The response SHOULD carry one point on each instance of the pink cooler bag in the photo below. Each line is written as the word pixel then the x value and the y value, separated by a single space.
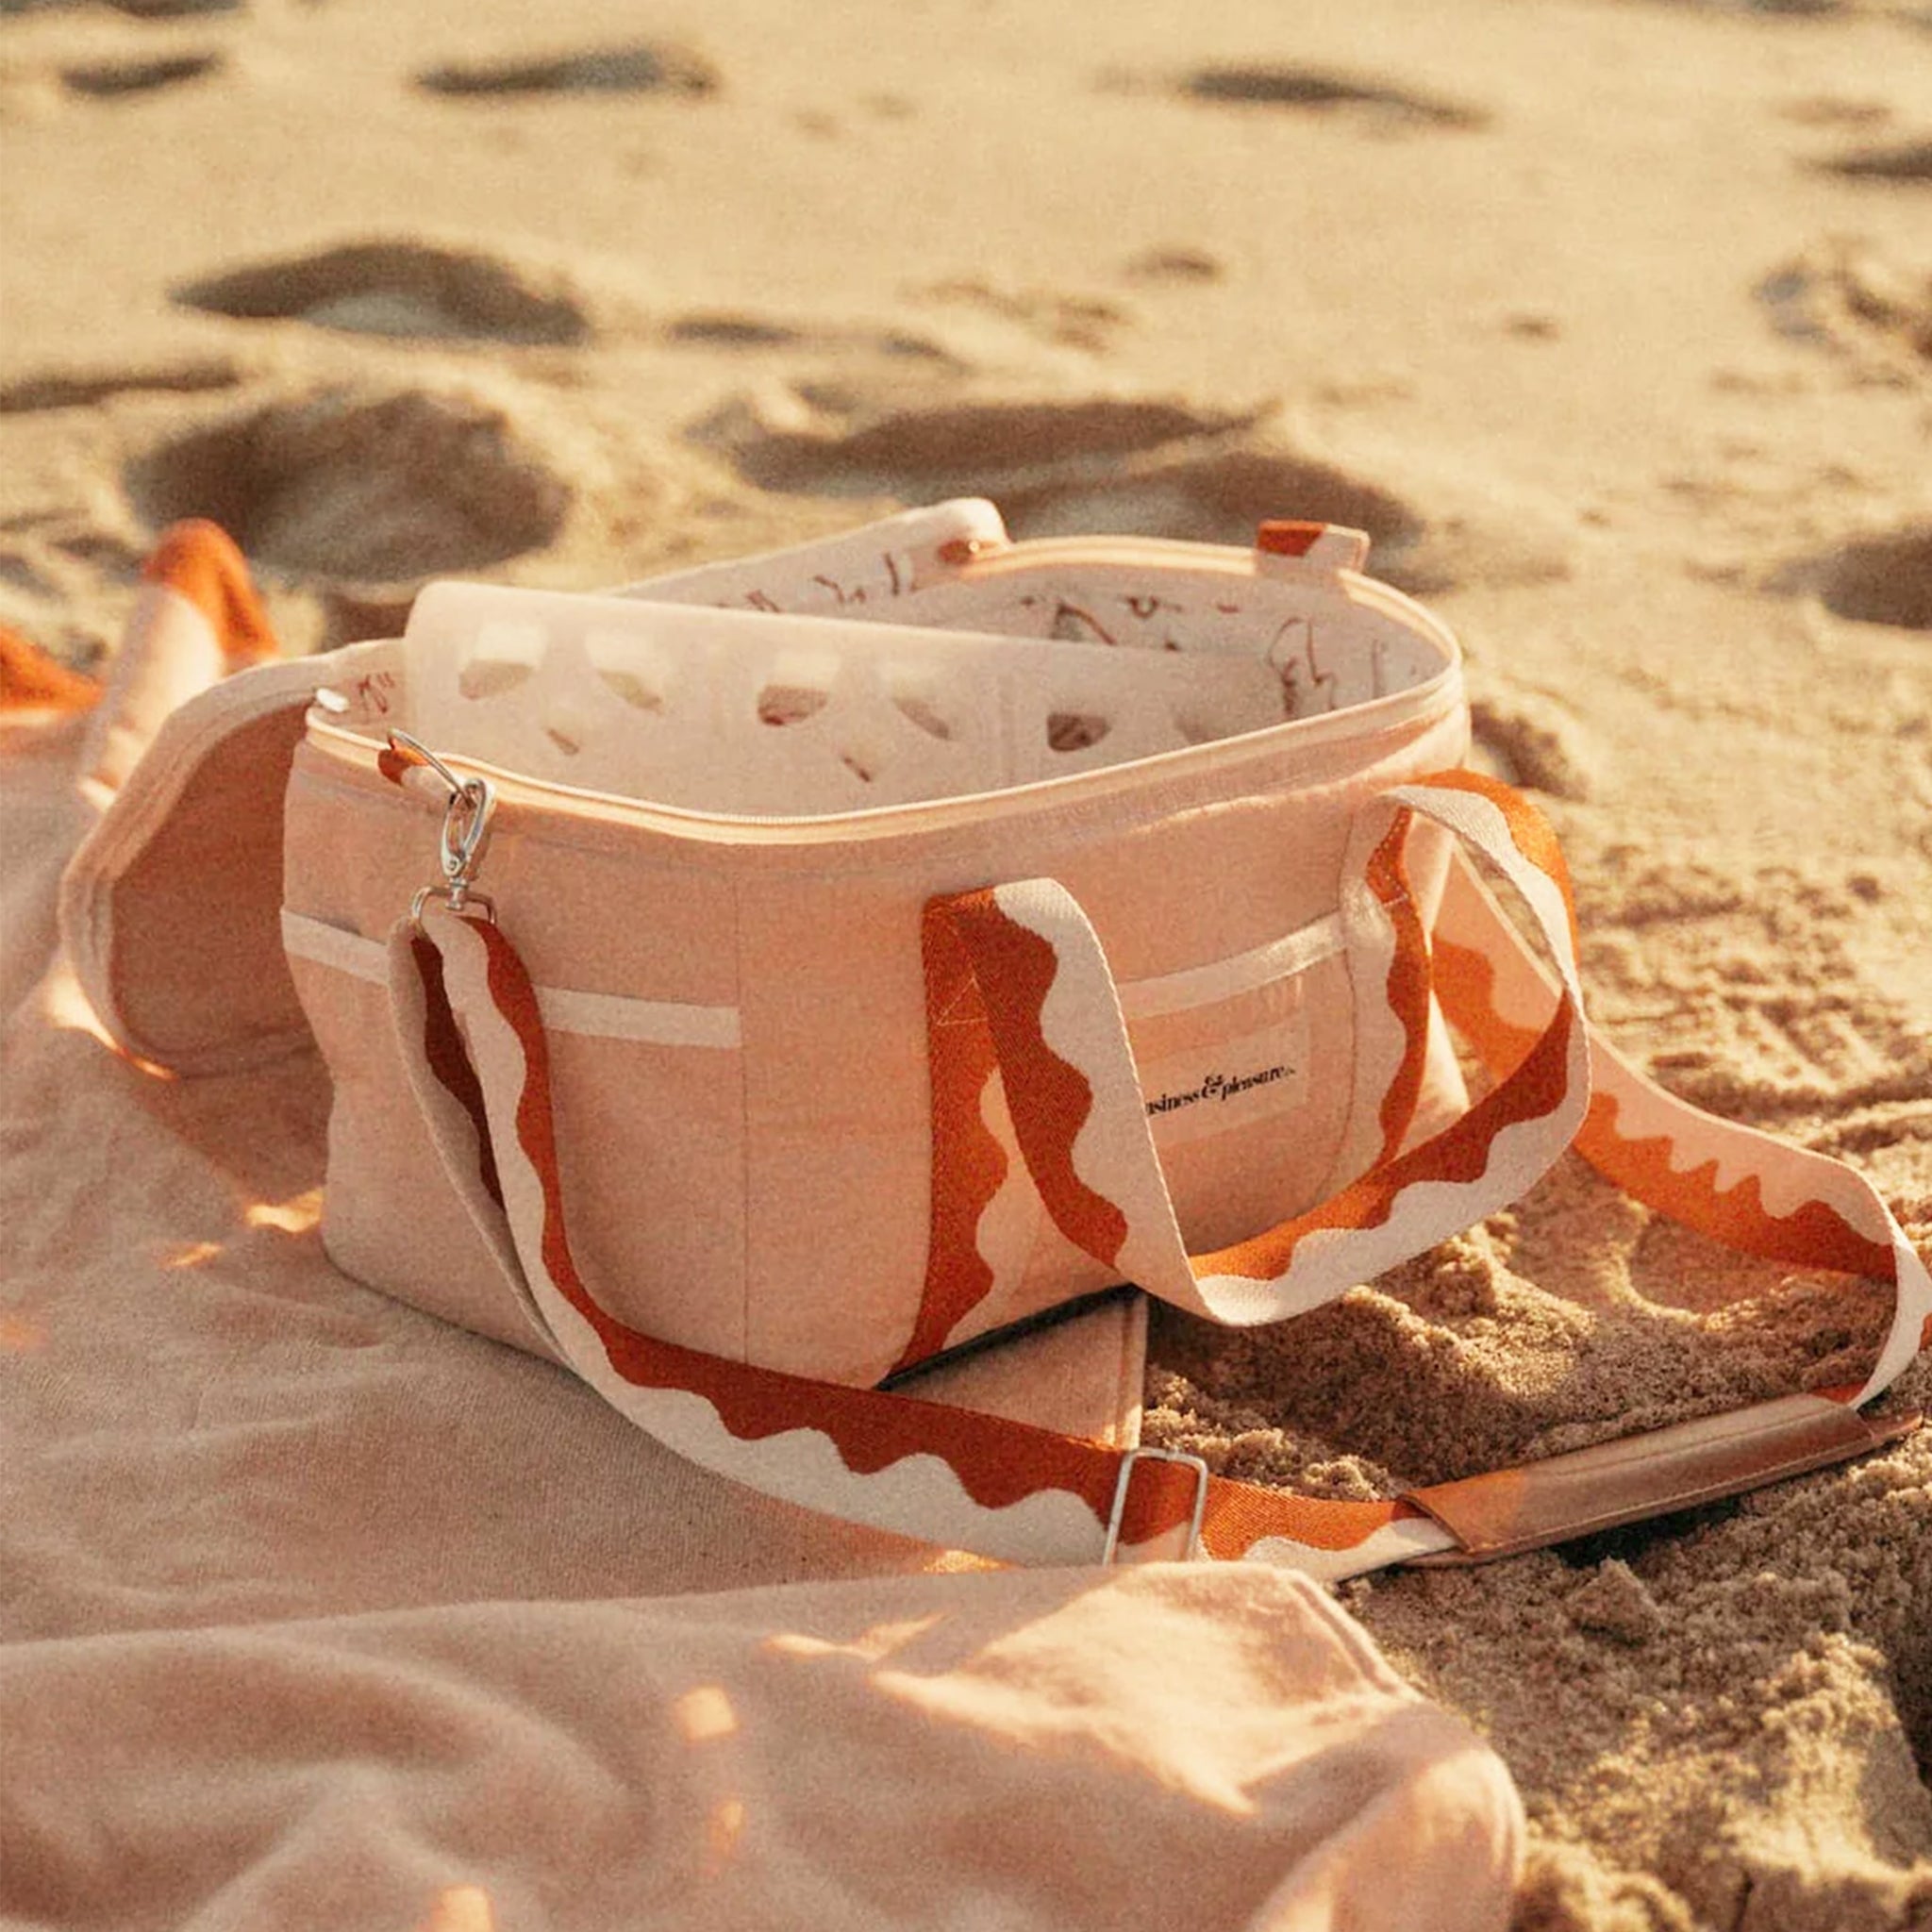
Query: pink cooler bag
pixel 800 996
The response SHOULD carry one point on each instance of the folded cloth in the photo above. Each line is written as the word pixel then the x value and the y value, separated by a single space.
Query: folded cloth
pixel 1218 1747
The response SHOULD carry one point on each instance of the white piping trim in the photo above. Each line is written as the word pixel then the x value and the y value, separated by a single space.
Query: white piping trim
pixel 666 1023
pixel 592 1015
pixel 1222 979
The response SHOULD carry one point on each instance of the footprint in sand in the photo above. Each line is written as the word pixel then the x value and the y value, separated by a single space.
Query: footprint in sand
pixel 1048 315
pixel 644 68
pixel 20 570
pixel 950 442
pixel 1147 467
pixel 1531 739
pixel 379 489
pixel 1836 111
pixel 113 80
pixel 1308 90
pixel 1174 266
pixel 1905 160
pixel 1850 297
pixel 1793 9
pixel 408 289
pixel 75 388
pixel 733 331
pixel 53 567
pixel 742 329
pixel 138 10
pixel 1880 579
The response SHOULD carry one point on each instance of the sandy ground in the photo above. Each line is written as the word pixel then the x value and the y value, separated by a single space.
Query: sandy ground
pixel 1611 322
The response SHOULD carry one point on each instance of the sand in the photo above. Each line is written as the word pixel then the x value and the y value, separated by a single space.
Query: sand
pixel 1611 322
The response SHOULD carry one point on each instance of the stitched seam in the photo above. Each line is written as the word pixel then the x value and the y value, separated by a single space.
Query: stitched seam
pixel 743 1128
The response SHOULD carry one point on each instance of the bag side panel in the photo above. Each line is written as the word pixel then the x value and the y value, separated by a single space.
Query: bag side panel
pixel 649 1131
pixel 836 1120
pixel 390 1217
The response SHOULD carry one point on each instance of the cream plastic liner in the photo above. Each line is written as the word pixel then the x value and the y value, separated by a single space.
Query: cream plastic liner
pixel 1440 696
pixel 1355 723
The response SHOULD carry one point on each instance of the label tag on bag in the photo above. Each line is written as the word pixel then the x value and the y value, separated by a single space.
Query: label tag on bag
pixel 1224 1084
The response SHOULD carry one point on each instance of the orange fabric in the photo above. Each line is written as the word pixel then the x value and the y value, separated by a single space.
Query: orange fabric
pixel 1531 833
pixel 1465 983
pixel 1059 1098
pixel 1287 536
pixel 968 1164
pixel 198 561
pixel 1814 1236
pixel 32 681
pixel 1407 985
pixel 1240 1515
pixel 442 1050
pixel 396 761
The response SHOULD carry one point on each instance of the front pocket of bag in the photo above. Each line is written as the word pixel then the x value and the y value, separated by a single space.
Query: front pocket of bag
pixel 391 1219
pixel 650 1142
pixel 649 1105
pixel 1246 1101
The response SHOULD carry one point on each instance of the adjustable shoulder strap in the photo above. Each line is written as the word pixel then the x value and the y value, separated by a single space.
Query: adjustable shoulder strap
pixel 472 1039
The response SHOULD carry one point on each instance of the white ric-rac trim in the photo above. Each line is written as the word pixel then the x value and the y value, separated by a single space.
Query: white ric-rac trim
pixel 596 1015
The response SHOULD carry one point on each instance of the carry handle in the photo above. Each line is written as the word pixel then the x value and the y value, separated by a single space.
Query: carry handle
pixel 1023 963
pixel 1025 960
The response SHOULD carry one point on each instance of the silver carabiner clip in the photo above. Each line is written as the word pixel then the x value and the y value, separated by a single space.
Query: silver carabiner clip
pixel 465 832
